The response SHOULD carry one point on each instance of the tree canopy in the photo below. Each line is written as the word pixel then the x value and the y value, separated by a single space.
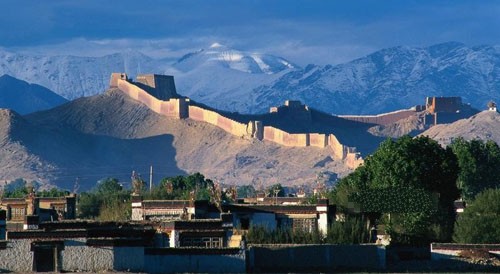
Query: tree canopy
pixel 480 221
pixel 479 164
pixel 413 177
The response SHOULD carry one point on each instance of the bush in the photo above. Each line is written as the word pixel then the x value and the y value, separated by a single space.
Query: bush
pixel 480 222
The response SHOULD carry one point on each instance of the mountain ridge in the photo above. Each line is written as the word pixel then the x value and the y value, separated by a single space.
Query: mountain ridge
pixel 232 80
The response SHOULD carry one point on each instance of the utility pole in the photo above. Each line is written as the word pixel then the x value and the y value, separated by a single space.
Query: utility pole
pixel 150 178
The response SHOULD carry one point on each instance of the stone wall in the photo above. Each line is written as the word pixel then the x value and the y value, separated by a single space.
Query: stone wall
pixel 208 116
pixel 380 119
pixel 194 260
pixel 318 140
pixel 17 257
pixel 76 256
pixel 181 108
pixel 284 138
pixel 314 258
pixel 177 108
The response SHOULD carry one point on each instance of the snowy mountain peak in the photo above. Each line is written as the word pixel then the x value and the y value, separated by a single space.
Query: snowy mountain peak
pixel 216 45
pixel 221 56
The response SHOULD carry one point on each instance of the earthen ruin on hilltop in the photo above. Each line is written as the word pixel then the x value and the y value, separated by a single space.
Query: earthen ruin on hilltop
pixel 159 94
pixel 293 124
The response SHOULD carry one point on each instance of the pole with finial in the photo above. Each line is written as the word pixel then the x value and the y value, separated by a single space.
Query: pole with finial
pixel 150 178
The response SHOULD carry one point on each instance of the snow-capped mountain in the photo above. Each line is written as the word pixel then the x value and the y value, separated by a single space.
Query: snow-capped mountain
pixel 392 79
pixel 224 78
pixel 223 56
pixel 25 98
pixel 234 80
pixel 71 76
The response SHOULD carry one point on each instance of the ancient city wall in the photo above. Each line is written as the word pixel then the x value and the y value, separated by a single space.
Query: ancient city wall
pixel 338 149
pixel 284 138
pixel 318 140
pixel 204 115
pixel 181 108
pixel 172 108
pixel 380 119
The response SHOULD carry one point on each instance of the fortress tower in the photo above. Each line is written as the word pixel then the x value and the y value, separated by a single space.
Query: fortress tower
pixel 160 86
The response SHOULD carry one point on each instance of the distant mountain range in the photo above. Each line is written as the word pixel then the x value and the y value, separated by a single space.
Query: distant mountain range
pixel 246 82
pixel 25 98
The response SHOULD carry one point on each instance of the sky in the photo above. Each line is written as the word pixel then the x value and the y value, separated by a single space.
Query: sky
pixel 303 31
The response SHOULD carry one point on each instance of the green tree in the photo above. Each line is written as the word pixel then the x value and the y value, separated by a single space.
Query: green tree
pixel 480 221
pixel 181 187
pixel 246 191
pixel 413 180
pixel 276 190
pixel 479 164
pixel 108 201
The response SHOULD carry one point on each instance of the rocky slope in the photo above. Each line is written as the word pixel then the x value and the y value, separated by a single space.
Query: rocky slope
pixel 26 98
pixel 484 126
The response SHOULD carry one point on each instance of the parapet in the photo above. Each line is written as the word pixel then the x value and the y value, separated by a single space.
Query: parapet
pixel 113 82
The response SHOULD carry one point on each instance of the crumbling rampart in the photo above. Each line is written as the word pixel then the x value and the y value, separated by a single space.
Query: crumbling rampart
pixel 177 108
pixel 382 119
pixel 182 108
pixel 204 115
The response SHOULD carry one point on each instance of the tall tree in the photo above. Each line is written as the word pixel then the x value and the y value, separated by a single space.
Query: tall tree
pixel 413 177
pixel 479 164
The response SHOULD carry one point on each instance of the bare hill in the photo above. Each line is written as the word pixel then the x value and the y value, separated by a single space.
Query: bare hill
pixel 111 135
pixel 412 125
pixel 484 125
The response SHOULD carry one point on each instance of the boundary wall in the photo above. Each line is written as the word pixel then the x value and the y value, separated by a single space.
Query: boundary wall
pixel 381 119
pixel 181 108
pixel 314 258
pixel 444 251
pixel 177 108
pixel 204 115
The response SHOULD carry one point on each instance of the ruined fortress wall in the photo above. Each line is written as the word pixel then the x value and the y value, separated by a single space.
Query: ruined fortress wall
pixel 339 150
pixel 284 138
pixel 381 119
pixel 214 118
pixel 353 160
pixel 318 140
pixel 172 108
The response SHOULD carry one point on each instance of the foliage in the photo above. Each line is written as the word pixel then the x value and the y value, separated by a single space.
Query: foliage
pixel 19 192
pixel 108 201
pixel 395 200
pixel 479 164
pixel 351 231
pixel 54 192
pixel 246 191
pixel 414 177
pixel 181 188
pixel 480 221
pixel 276 188
pixel 263 235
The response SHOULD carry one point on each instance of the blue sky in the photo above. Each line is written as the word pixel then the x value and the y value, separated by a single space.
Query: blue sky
pixel 303 31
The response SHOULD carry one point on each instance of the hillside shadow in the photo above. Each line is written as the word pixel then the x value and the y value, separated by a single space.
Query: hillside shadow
pixel 91 157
